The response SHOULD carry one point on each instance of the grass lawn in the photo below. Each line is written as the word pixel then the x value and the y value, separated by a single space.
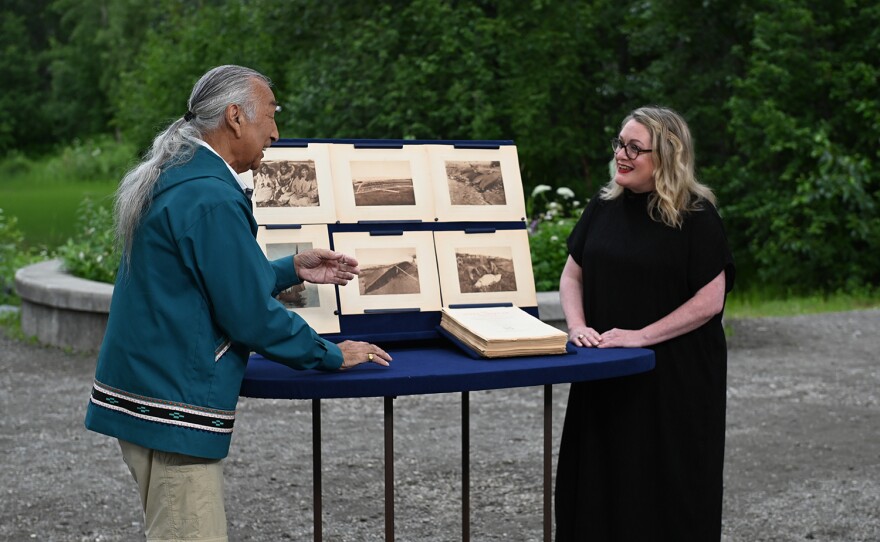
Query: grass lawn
pixel 754 304
pixel 45 192
pixel 47 211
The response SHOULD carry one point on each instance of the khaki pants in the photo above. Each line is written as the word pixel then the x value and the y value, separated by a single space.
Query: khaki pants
pixel 182 495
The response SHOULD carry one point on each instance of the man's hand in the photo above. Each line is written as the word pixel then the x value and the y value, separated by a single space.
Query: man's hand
pixel 322 266
pixel 357 352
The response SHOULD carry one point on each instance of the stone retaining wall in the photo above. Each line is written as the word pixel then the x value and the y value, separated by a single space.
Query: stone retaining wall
pixel 62 310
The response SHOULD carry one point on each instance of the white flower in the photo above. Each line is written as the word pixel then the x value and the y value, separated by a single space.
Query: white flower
pixel 554 205
pixel 565 192
pixel 540 189
pixel 553 238
pixel 576 203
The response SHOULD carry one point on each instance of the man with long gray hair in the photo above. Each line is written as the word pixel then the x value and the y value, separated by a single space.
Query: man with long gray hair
pixel 194 296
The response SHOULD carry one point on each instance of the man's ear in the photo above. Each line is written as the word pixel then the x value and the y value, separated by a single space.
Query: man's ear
pixel 233 118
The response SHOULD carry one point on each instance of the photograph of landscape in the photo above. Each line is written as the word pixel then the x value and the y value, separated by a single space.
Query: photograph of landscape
pixel 382 183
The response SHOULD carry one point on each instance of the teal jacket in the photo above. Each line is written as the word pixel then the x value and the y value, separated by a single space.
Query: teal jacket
pixel 197 298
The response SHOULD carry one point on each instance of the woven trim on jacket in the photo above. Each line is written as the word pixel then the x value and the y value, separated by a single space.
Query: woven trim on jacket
pixel 222 349
pixel 167 412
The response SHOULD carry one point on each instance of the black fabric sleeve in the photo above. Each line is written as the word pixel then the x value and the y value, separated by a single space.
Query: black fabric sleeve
pixel 578 236
pixel 709 251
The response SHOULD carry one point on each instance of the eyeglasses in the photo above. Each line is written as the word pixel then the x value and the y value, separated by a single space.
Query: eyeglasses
pixel 276 110
pixel 632 151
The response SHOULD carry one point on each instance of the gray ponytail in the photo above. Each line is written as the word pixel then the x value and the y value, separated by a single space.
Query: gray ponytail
pixel 220 87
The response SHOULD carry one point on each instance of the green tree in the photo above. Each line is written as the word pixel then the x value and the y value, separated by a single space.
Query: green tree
pixel 560 89
pixel 806 188
pixel 190 38
pixel 24 38
pixel 679 53
pixel 96 41
pixel 393 70
pixel 781 96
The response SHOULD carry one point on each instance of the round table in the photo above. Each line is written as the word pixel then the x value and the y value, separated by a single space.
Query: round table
pixel 437 367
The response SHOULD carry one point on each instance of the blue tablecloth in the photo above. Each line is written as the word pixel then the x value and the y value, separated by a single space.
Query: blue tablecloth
pixel 440 368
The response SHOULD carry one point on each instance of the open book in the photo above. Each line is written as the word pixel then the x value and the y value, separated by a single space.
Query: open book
pixel 495 332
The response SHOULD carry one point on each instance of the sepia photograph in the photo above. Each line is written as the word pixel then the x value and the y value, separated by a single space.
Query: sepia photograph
pixel 388 271
pixel 475 183
pixel 293 185
pixel 382 184
pixel 286 184
pixel 477 268
pixel 397 272
pixel 482 185
pixel 485 269
pixel 315 303
pixel 299 296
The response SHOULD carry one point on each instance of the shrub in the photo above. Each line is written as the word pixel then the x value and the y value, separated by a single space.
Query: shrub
pixel 553 215
pixel 13 257
pixel 92 253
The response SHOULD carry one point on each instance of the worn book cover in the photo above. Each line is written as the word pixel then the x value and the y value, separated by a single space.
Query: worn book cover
pixel 503 331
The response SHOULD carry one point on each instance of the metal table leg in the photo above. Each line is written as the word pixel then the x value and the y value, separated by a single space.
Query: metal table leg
pixel 389 469
pixel 316 470
pixel 465 466
pixel 548 461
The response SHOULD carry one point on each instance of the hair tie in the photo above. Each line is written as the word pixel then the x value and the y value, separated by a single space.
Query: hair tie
pixel 189 116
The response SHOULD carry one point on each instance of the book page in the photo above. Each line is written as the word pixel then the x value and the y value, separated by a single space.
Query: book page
pixel 502 323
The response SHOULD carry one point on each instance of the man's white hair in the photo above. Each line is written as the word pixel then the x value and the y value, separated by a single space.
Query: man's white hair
pixel 214 91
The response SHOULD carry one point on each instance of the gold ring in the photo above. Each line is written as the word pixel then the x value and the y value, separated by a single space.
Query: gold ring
pixel 370 356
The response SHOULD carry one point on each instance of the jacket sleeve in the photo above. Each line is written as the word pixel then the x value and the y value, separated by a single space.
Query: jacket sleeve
pixel 239 284
pixel 285 274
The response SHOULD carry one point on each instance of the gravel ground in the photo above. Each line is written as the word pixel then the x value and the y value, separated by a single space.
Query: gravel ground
pixel 803 451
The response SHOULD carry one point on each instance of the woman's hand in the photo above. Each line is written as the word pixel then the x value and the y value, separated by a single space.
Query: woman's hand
pixel 693 313
pixel 584 336
pixel 322 266
pixel 357 352
pixel 621 338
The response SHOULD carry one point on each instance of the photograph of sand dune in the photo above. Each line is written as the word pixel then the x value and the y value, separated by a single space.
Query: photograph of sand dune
pixel 397 272
pixel 388 271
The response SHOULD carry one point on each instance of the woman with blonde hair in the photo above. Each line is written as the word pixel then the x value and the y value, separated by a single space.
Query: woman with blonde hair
pixel 641 457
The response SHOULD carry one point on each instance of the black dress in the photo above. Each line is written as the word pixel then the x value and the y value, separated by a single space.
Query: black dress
pixel 641 457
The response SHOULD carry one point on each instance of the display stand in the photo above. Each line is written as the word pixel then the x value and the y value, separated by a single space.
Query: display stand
pixel 448 217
